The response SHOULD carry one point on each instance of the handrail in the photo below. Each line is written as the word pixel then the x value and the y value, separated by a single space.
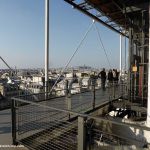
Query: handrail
pixel 84 115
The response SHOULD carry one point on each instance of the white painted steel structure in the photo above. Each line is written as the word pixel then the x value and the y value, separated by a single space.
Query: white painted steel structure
pixel 46 43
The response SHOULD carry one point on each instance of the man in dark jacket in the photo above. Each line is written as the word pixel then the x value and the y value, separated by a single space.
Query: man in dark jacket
pixel 110 77
pixel 102 75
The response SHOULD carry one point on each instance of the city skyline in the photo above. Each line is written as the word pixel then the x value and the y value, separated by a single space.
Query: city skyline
pixel 22 36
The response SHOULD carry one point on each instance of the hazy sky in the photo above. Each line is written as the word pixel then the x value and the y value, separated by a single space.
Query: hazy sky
pixel 22 36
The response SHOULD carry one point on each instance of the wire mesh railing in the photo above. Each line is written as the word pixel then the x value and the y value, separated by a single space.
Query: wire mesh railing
pixel 35 91
pixel 82 101
pixel 49 121
pixel 39 126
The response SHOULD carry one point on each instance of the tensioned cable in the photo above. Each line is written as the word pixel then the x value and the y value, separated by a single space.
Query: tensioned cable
pixel 76 50
pixel 7 65
pixel 100 39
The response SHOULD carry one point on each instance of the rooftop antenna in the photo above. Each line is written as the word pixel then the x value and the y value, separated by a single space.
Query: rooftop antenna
pixel 46 43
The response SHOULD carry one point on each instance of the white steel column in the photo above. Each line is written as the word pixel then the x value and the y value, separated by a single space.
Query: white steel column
pixel 148 102
pixel 125 55
pixel 120 54
pixel 46 43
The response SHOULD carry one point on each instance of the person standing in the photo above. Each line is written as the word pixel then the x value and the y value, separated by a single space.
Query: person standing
pixel 110 78
pixel 102 75
pixel 110 82
pixel 114 76
pixel 117 76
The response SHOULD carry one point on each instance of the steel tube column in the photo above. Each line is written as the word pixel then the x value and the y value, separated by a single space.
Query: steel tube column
pixel 81 133
pixel 148 101
pixel 120 55
pixel 130 54
pixel 125 55
pixel 14 123
pixel 46 43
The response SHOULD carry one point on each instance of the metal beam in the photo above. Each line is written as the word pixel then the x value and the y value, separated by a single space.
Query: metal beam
pixel 115 20
pixel 117 5
pixel 122 10
pixel 138 3
pixel 104 4
pixel 113 13
pixel 93 17
pixel 131 9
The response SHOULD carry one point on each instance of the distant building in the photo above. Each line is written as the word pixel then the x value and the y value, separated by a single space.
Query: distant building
pixel 38 79
pixel 69 75
pixel 24 76
pixel 34 88
pixel 86 82
pixel 5 75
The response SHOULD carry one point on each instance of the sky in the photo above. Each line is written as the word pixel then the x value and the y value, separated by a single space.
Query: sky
pixel 22 36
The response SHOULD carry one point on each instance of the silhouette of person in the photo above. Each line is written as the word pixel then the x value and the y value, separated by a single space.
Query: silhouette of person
pixel 102 75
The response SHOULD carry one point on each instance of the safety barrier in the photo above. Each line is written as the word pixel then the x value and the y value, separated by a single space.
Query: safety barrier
pixel 39 126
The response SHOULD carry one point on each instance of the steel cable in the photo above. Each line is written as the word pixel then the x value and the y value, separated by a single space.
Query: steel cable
pixel 76 50
pixel 100 39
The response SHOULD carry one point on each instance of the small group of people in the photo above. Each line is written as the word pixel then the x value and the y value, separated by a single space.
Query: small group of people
pixel 112 77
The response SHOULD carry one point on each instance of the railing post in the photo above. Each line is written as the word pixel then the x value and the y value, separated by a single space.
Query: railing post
pixel 80 84
pixel 14 130
pixel 119 93
pixel 46 89
pixel 66 88
pixel 68 97
pixel 93 82
pixel 81 133
pixel 94 95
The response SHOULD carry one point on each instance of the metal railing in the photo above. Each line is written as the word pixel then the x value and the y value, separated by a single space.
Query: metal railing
pixel 86 99
pixel 42 127
pixel 38 126
pixel 49 121
pixel 31 92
